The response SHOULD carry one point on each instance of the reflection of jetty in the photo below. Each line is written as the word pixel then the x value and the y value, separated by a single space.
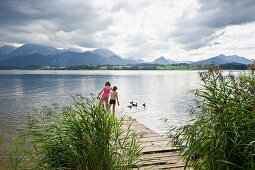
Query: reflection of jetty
pixel 157 152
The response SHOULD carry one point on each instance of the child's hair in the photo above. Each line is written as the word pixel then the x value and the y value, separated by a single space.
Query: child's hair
pixel 114 88
pixel 107 83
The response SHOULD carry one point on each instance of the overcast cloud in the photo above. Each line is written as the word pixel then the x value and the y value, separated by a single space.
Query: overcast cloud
pixel 212 16
pixel 176 29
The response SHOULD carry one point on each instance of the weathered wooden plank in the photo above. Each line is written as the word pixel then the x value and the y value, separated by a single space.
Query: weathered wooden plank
pixel 158 152
pixel 134 123
pixel 170 163
pixel 148 135
pixel 157 149
pixel 157 143
pixel 162 167
pixel 158 155
pixel 174 162
pixel 152 139
pixel 141 130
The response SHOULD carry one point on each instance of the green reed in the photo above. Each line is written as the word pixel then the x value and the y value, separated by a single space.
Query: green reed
pixel 82 136
pixel 15 157
pixel 1 156
pixel 222 134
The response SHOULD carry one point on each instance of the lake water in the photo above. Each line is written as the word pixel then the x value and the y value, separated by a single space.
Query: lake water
pixel 166 94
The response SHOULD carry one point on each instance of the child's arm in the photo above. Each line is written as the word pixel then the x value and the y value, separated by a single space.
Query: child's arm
pixel 117 98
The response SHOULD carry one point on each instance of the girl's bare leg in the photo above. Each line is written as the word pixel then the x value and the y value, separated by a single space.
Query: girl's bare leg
pixel 113 109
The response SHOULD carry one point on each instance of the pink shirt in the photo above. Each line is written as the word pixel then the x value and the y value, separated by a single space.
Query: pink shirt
pixel 106 93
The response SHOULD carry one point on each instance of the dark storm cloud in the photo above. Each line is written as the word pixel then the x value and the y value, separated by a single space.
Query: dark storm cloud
pixel 18 18
pixel 212 17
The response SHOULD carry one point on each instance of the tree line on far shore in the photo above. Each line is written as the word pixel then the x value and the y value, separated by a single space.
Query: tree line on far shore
pixel 181 66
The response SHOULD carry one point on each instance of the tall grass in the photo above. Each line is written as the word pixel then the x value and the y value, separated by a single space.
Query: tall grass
pixel 222 134
pixel 83 136
pixel 12 159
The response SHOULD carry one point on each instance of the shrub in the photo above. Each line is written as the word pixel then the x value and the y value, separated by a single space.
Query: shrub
pixel 83 136
pixel 222 134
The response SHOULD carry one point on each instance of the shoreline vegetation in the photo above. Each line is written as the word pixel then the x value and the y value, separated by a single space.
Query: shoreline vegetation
pixel 222 134
pixel 80 136
pixel 181 66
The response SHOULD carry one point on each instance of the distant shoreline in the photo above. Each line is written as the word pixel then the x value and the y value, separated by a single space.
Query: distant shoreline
pixel 130 67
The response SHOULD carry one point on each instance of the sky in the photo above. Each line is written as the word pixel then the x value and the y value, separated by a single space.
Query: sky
pixel 142 29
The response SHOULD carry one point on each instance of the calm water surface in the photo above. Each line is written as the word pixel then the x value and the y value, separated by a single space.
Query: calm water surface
pixel 164 92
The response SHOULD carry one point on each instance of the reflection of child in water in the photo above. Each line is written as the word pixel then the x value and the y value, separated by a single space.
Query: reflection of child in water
pixel 107 89
pixel 113 98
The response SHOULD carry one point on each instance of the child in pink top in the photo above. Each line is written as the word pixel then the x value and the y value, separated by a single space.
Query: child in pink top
pixel 107 89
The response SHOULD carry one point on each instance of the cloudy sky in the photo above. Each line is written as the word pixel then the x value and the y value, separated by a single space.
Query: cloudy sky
pixel 147 29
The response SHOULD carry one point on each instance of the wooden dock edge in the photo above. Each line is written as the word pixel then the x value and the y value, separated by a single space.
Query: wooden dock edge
pixel 158 152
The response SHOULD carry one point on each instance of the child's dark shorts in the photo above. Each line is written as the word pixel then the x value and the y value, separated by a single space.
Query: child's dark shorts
pixel 112 101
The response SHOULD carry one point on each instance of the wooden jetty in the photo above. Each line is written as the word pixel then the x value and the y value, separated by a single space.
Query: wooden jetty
pixel 157 152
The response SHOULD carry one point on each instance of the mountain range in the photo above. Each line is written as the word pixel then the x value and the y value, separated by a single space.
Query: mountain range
pixel 163 61
pixel 222 59
pixel 40 55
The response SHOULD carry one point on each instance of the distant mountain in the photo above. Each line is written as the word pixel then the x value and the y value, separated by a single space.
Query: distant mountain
pixel 5 50
pixel 104 52
pixel 161 60
pixel 112 58
pixel 70 49
pixel 68 58
pixel 116 60
pixel 140 61
pixel 29 49
pixel 71 58
pixel 136 60
pixel 172 61
pixel 21 61
pixel 222 59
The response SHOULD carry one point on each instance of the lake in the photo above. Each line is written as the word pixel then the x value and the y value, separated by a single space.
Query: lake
pixel 165 93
